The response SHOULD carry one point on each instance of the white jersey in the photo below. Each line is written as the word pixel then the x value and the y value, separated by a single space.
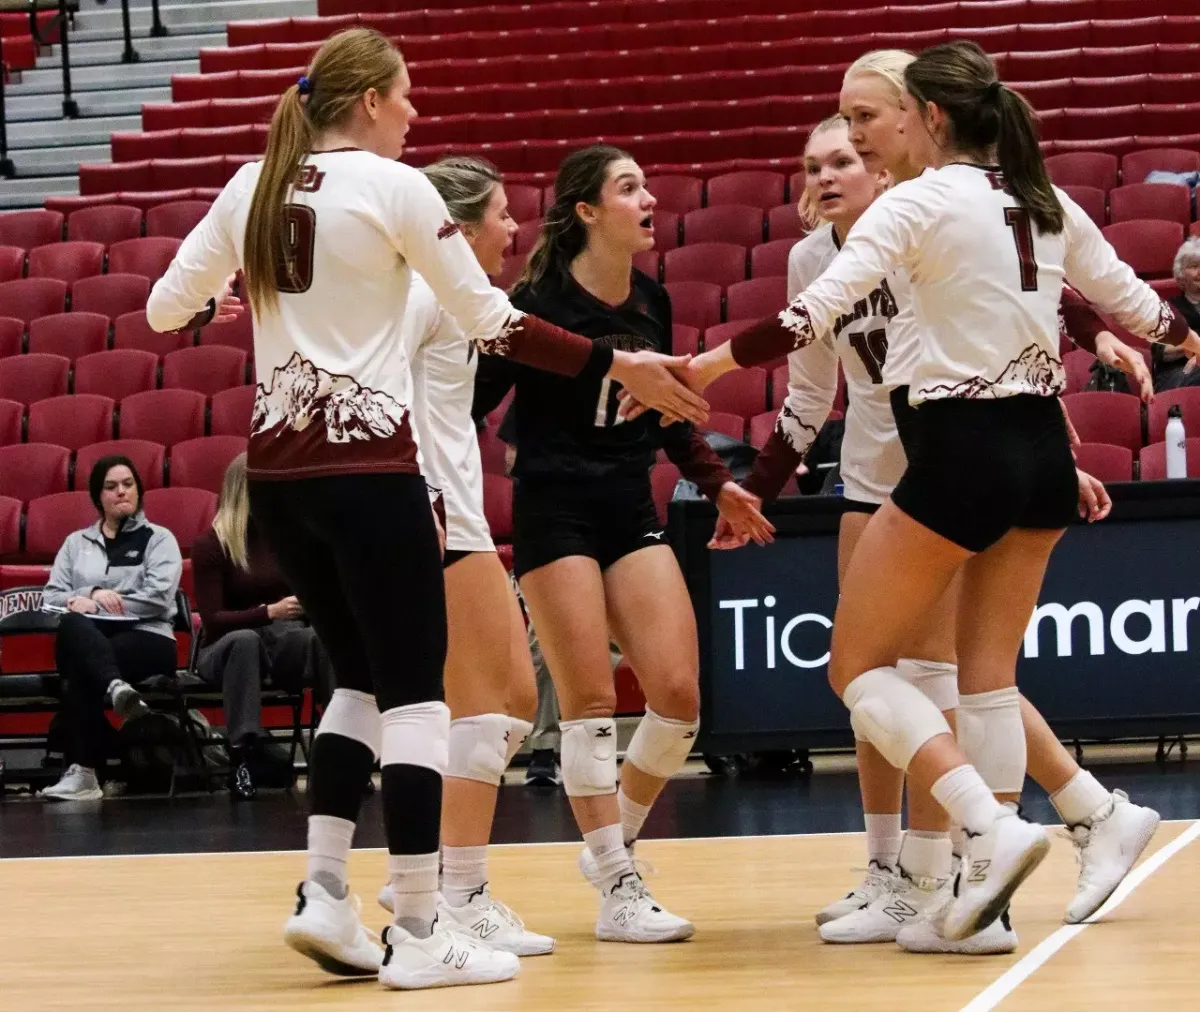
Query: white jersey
pixel 334 387
pixel 872 458
pixel 443 377
pixel 986 285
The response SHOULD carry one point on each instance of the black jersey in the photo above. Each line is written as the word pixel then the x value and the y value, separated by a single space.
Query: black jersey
pixel 569 428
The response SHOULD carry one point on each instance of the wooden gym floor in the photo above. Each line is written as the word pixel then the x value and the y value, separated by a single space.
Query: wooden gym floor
pixel 202 932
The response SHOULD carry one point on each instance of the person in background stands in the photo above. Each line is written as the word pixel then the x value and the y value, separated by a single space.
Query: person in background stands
pixel 253 628
pixel 1169 362
pixel 116 581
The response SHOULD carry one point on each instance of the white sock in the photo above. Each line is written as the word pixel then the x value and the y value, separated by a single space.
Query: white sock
pixel 1078 800
pixel 414 880
pixel 966 797
pixel 926 854
pixel 884 838
pixel 329 840
pixel 633 816
pixel 607 845
pixel 464 873
pixel 958 841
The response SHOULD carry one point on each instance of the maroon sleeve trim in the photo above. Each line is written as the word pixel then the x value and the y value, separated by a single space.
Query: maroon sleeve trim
pixel 698 462
pixel 775 464
pixel 532 341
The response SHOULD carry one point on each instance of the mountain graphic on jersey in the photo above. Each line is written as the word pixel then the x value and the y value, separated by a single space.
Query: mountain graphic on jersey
pixel 300 394
pixel 798 434
pixel 1034 371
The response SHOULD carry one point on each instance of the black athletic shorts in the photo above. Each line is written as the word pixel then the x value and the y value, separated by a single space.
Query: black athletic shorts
pixel 981 467
pixel 604 521
pixel 906 419
pixel 858 506
pixel 453 555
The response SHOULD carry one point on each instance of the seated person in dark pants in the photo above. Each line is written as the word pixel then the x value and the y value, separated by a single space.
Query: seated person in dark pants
pixel 116 582
pixel 253 629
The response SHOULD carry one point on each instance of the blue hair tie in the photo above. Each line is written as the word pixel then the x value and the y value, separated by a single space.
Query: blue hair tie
pixel 304 86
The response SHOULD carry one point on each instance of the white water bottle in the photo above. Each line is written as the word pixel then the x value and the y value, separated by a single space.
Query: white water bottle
pixel 1176 443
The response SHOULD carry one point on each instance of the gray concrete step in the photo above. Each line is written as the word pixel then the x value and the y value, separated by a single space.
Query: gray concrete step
pixel 109 51
pixel 16 193
pixel 58 161
pixel 92 25
pixel 68 132
pixel 101 78
pixel 116 102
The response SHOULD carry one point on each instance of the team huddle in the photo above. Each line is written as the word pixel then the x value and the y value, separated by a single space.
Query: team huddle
pixel 939 271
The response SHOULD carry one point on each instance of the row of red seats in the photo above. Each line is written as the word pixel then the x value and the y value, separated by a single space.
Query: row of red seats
pixel 631 13
pixel 1116 463
pixel 45 467
pixel 18 47
pixel 29 230
pixel 161 174
pixel 110 295
pixel 563 43
pixel 207 369
pixel 77 334
pixel 161 417
pixel 71 261
pixel 32 534
pixel 1101 416
pixel 1145 201
pixel 142 201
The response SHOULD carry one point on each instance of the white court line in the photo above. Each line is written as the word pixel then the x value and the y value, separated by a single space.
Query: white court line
pixel 1039 954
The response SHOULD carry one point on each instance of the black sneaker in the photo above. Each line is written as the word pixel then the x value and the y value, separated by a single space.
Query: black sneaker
pixel 543 768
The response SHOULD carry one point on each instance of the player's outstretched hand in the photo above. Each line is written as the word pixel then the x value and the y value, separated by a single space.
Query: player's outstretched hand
pixel 1191 348
pixel 1094 501
pixel 229 306
pixel 651 381
pixel 741 512
pixel 1116 354
pixel 723 537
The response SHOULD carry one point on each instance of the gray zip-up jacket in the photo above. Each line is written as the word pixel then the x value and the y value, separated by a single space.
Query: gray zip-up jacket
pixel 142 564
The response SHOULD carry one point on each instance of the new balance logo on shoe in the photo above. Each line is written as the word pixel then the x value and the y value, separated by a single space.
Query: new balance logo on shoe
pixel 901 911
pixel 485 928
pixel 457 957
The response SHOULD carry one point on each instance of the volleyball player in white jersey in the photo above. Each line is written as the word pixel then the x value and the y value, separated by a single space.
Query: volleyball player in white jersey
pixel 990 484
pixel 328 229
pixel 489 673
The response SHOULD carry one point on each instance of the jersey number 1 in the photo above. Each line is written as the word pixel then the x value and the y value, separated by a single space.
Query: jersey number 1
pixel 607 414
pixel 295 274
pixel 1017 219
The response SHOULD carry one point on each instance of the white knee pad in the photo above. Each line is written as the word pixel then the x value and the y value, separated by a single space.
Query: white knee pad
pixel 660 745
pixel 518 733
pixel 589 756
pixel 892 715
pixel 417 735
pixel 478 748
pixel 992 737
pixel 353 714
pixel 937 680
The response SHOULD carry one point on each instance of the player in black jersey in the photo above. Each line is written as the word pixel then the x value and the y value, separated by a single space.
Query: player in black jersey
pixel 588 547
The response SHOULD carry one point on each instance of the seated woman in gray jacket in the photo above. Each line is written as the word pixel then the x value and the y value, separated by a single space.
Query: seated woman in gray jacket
pixel 115 582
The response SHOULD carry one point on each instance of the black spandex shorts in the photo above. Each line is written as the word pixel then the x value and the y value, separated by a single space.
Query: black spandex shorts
pixel 453 555
pixel 858 506
pixel 978 468
pixel 606 522
pixel 906 419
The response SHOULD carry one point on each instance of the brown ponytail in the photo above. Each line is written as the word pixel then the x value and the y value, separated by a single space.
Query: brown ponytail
pixel 984 115
pixel 346 66
pixel 563 236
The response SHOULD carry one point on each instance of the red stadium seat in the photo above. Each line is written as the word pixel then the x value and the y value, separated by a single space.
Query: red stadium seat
pixel 73 420
pixel 756 298
pixel 783 222
pixel 726 223
pixel 1151 201
pixel 29 229
pixel 527 235
pixel 238 334
pixel 666 230
pixel 67 261
pixel 761 427
pixel 29 470
pixel 741 392
pixel 758 189
pixel 1092 200
pixel 731 425
pixel 201 463
pixel 206 370
pixel 695 303
pixel 49 519
pixel 110 294
pixel 1136 165
pixel 149 257
pixel 177 219
pixel 678 194
pixel 524 202
pixel 1153 461
pixel 513 266
pixel 147 458
pixel 12 414
pixel 232 410
pixel 106 224
pixel 717 263
pixel 12 263
pixel 32 378
pixel 133 331
pixel 647 261
pixel 1103 417
pixel 1148 247
pixel 164 416
pixel 664 476
pixel 1084 168
pixel 716 336
pixel 1078 367
pixel 684 340
pixel 12 334
pixel 185 512
pixel 771 258
pixel 497 505
pixel 493 452
pixel 116 374
pixel 30 298
pixel 1188 399
pixel 10 526
pixel 1105 461
pixel 72 335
